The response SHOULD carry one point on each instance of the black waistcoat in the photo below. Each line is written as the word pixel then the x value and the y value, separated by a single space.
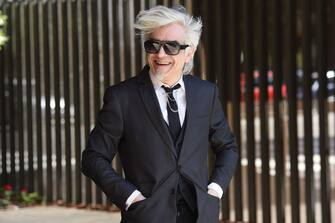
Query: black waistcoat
pixel 185 191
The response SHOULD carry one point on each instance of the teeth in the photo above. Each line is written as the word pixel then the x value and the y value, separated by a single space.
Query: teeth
pixel 163 63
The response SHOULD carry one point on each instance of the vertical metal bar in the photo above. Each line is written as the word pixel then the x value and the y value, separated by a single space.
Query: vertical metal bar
pixel 290 77
pixel 67 102
pixel 206 19
pixel 38 52
pixel 330 5
pixel 219 46
pixel 105 61
pixel 12 72
pixel 119 56
pixel 105 43
pixel 308 135
pixel 178 2
pixel 160 2
pixel 31 72
pixel 96 74
pixel 2 117
pixel 100 48
pixel 188 5
pixel 248 68
pixel 9 88
pixel 128 15
pixel 203 10
pixel 50 71
pixel 3 106
pixel 234 73
pixel 321 21
pixel 173 2
pixel 152 3
pixel 139 54
pixel 22 96
pixel 95 55
pixel 197 56
pixel 219 42
pixel 276 44
pixel 87 114
pixel 30 145
pixel 81 99
pixel 216 70
pixel 264 140
pixel 127 39
pixel 119 51
pixel 19 95
pixel 57 30
pixel 2 113
pixel 143 54
pixel 76 102
pixel 3 125
pixel 46 64
pixel 111 29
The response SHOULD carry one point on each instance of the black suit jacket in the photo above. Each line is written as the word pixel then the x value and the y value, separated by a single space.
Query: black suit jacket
pixel 130 123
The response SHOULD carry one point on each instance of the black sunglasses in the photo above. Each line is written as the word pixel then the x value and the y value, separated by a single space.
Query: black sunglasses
pixel 170 47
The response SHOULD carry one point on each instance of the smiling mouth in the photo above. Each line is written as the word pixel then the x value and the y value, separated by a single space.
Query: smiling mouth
pixel 162 63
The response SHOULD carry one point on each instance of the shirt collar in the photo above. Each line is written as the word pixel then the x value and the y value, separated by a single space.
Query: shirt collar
pixel 158 84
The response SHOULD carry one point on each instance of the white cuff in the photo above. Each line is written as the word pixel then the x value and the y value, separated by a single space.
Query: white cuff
pixel 216 187
pixel 131 198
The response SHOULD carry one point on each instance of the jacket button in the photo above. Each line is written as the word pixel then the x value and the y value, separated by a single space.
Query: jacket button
pixel 173 191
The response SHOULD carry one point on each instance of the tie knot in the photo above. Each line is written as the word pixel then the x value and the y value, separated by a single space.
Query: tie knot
pixel 169 90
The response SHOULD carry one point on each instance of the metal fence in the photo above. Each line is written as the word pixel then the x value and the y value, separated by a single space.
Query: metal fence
pixel 272 60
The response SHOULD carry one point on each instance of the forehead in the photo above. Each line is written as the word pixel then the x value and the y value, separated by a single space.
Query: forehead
pixel 169 32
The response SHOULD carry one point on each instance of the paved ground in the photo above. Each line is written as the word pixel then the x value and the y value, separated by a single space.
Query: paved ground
pixel 57 215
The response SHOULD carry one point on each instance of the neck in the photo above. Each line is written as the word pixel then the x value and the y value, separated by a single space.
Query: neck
pixel 169 81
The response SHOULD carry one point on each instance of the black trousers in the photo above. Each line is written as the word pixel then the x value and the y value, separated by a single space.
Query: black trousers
pixel 184 213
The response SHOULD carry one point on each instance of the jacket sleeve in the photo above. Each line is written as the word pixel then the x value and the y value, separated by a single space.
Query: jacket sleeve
pixel 101 148
pixel 223 145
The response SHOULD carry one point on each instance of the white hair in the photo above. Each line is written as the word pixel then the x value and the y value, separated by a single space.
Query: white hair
pixel 149 20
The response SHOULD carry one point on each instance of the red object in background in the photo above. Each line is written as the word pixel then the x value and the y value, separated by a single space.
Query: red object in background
pixel 270 92
pixel 257 93
pixel 256 89
pixel 284 91
pixel 7 187
pixel 24 190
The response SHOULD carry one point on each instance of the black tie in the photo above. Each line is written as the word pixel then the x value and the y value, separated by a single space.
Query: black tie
pixel 172 109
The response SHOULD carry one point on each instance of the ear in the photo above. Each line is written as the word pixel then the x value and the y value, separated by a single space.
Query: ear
pixel 189 54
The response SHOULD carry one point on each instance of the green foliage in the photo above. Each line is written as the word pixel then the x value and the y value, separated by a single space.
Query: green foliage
pixel 6 196
pixel 26 198
pixel 3 22
pixel 22 198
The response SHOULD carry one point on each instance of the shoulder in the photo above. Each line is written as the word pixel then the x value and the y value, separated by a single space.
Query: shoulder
pixel 121 89
pixel 199 83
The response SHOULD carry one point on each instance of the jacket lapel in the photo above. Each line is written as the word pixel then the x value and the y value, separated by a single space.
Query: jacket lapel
pixel 151 105
pixel 191 101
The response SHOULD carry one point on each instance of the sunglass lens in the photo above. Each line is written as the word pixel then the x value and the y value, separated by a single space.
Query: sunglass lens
pixel 171 48
pixel 151 46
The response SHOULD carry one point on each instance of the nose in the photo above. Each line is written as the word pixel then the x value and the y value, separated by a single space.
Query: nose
pixel 161 52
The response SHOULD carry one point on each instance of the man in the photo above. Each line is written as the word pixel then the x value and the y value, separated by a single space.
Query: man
pixel 160 122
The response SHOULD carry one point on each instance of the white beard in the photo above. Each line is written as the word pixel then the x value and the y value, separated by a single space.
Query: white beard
pixel 160 76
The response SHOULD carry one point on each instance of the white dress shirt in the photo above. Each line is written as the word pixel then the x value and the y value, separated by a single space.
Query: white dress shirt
pixel 178 94
pixel 180 97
